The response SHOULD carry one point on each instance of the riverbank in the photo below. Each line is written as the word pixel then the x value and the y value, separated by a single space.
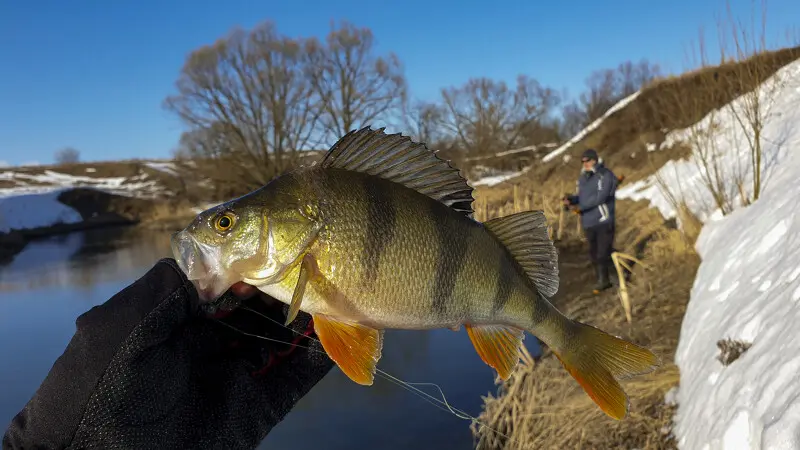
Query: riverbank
pixel 541 405
pixel 80 209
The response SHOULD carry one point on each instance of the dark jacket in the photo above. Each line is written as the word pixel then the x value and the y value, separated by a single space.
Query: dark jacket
pixel 595 196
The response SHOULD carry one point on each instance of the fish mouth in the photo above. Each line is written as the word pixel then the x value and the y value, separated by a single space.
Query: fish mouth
pixel 201 265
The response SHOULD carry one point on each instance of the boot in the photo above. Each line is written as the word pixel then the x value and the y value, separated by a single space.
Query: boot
pixel 602 278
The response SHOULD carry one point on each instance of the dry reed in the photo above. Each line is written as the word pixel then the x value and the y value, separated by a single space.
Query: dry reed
pixel 541 406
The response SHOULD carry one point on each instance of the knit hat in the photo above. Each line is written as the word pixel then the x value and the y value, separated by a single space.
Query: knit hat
pixel 590 154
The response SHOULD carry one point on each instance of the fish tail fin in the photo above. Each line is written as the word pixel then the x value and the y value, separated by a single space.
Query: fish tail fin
pixel 593 357
pixel 597 360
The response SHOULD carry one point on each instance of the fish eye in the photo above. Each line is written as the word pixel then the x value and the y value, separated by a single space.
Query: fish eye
pixel 224 222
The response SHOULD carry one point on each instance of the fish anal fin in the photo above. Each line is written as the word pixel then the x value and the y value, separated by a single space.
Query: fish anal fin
pixel 355 348
pixel 597 359
pixel 497 345
pixel 397 158
pixel 525 237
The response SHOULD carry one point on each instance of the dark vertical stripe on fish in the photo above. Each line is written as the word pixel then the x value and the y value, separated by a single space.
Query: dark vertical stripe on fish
pixel 451 259
pixel 381 222
pixel 504 281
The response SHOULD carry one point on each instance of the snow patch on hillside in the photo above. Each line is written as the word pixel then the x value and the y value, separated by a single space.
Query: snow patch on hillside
pixel 591 127
pixel 50 181
pixel 499 178
pixel 685 181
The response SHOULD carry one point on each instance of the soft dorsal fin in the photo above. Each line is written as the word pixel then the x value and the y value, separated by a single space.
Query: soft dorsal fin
pixel 525 236
pixel 399 159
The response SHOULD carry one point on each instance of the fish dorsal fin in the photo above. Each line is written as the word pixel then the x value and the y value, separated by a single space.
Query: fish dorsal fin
pixel 525 236
pixel 397 158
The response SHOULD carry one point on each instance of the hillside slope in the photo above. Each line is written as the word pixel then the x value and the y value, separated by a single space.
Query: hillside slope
pixel 739 351
pixel 627 136
pixel 743 298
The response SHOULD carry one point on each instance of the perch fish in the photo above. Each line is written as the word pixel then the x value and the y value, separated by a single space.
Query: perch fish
pixel 381 235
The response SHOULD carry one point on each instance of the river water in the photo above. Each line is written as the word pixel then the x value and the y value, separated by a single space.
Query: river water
pixel 46 286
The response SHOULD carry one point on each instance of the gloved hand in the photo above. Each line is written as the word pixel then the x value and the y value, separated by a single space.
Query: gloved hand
pixel 148 369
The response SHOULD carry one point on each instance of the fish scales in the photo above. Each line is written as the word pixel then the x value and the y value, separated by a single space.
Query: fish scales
pixel 421 266
pixel 380 235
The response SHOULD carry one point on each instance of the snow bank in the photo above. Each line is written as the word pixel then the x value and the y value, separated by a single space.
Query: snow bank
pixel 163 166
pixel 530 148
pixel 51 181
pixel 684 179
pixel 33 211
pixel 746 289
pixel 591 127
pixel 497 179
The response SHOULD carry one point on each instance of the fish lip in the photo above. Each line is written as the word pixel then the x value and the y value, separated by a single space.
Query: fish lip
pixel 192 260
pixel 188 256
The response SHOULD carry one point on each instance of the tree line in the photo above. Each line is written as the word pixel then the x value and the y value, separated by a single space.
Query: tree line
pixel 255 99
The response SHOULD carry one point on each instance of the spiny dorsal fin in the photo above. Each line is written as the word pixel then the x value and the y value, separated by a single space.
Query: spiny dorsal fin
pixel 399 159
pixel 525 236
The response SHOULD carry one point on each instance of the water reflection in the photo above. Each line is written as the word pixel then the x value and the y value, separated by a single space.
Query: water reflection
pixel 82 260
pixel 45 287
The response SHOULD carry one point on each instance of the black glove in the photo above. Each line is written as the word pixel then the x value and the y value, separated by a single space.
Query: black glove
pixel 147 370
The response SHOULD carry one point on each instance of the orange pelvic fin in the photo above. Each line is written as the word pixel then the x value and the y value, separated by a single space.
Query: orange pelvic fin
pixel 355 348
pixel 497 345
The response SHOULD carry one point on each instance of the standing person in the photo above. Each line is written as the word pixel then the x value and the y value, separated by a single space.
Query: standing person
pixel 595 202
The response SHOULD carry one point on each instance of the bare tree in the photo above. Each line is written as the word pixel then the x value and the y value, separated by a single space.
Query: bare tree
pixel 357 86
pixel 734 98
pixel 423 122
pixel 604 89
pixel 705 137
pixel 67 155
pixel 250 91
pixel 760 87
pixel 213 156
pixel 486 116
pixel 573 119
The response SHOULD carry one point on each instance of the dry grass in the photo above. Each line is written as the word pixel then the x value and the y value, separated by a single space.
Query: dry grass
pixel 541 406
pixel 661 106
pixel 622 139
pixel 524 195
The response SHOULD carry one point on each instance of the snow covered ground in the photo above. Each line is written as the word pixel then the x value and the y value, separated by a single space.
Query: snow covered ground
pixel 591 127
pixel 27 211
pixel 29 200
pixel 491 180
pixel 49 180
pixel 746 289
pixel 685 180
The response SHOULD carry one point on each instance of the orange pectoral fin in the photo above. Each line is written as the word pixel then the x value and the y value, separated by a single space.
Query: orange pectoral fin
pixel 355 348
pixel 497 345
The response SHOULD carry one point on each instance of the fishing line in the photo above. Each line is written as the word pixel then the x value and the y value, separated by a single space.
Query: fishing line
pixel 441 404
pixel 383 374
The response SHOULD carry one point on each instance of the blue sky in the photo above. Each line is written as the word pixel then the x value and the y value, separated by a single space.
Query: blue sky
pixel 93 74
